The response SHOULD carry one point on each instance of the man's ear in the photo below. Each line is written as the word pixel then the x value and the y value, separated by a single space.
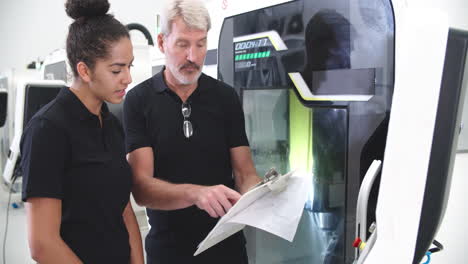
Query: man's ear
pixel 161 42
pixel 83 71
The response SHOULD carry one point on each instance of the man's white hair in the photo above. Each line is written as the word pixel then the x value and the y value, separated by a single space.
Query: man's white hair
pixel 192 12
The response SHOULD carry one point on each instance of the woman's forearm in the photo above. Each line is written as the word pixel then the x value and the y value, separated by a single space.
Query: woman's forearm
pixel 133 229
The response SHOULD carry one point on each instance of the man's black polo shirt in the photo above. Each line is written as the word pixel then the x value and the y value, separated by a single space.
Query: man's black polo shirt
pixel 153 118
pixel 68 156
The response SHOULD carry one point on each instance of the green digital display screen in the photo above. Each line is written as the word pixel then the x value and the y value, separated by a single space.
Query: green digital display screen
pixel 249 52
pixel 255 55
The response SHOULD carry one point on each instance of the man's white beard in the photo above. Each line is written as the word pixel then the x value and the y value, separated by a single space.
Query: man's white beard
pixel 181 78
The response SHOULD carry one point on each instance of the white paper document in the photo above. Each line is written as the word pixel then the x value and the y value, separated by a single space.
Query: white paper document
pixel 275 212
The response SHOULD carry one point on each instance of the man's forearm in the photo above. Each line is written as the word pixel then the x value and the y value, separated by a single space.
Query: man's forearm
pixel 243 167
pixel 162 195
pixel 245 182
pixel 215 200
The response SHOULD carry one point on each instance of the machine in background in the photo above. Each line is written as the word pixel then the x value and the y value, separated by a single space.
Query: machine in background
pixel 316 82
pixel 3 100
pixel 4 97
pixel 444 144
pixel 420 153
pixel 30 97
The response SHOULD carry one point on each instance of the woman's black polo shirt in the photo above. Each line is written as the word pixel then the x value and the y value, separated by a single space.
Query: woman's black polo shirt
pixel 153 118
pixel 68 156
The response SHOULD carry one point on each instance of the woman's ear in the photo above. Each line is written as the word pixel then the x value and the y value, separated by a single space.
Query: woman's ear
pixel 83 71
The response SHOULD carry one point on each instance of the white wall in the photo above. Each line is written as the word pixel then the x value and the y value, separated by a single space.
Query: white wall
pixel 32 29
pixel 454 229
pixel 456 9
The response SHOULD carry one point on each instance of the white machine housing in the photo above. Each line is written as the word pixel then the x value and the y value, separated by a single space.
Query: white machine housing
pixel 14 151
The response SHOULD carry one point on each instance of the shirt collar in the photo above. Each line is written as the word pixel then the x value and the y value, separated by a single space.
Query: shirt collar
pixel 161 85
pixel 77 108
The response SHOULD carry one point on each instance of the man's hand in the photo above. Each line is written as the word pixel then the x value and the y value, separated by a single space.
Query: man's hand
pixel 215 200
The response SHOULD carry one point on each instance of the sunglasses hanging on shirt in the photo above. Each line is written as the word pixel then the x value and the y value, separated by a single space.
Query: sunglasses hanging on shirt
pixel 187 125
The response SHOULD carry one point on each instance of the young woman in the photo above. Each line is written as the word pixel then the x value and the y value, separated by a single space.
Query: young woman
pixel 76 181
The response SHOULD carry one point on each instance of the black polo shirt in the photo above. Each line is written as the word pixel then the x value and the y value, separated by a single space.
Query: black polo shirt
pixel 68 156
pixel 153 118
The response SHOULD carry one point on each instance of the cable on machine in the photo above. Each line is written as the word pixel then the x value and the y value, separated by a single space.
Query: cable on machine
pixel 438 247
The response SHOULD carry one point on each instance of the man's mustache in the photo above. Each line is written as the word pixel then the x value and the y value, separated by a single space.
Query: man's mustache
pixel 191 65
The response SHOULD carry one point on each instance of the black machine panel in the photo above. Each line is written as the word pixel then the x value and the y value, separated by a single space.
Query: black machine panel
pixel 316 80
pixel 36 97
pixel 3 100
pixel 3 107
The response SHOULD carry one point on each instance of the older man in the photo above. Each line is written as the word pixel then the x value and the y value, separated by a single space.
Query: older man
pixel 187 146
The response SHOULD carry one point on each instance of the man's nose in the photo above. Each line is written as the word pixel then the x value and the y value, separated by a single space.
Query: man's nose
pixel 193 54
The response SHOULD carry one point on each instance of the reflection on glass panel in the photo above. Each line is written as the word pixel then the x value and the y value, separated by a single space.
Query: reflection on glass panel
pixel 266 124
pixel 285 134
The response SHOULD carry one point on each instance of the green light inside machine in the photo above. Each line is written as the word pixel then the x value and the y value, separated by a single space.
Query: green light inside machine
pixel 249 56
